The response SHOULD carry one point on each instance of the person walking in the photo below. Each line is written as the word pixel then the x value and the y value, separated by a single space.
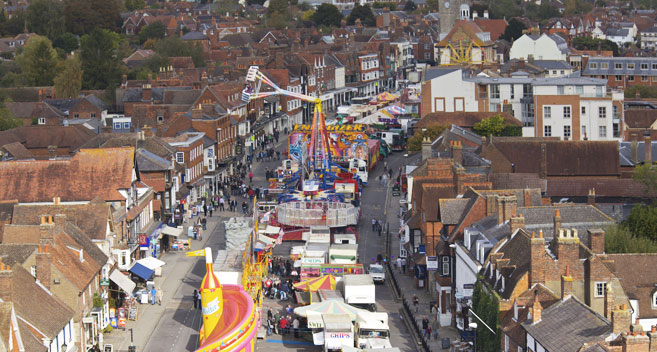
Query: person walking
pixel 211 210
pixel 283 326
pixel 160 294
pixel 373 224
pixel 379 227
pixel 434 327
pixel 204 224
pixel 399 264
pixel 295 326
pixel 195 298
pixel 404 265
pixel 153 295
pixel 425 326
pixel 198 298
pixel 251 176
pixel 416 302
pixel 221 204
pixel 205 210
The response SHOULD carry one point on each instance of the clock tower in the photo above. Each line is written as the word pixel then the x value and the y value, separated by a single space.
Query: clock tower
pixel 449 11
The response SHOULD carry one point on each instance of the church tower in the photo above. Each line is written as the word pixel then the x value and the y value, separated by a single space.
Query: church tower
pixel 451 10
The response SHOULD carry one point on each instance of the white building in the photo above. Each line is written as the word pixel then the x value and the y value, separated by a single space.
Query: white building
pixel 543 47
pixel 445 90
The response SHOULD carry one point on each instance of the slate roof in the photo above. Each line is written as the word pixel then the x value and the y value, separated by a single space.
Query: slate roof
pixel 567 325
pixel 16 253
pixel 553 64
pixel 194 36
pixel 147 161
pixel 625 150
pixel 72 179
pixel 637 273
pixel 578 216
pixel 623 70
pixel 153 144
pixel 451 210
pixel 437 72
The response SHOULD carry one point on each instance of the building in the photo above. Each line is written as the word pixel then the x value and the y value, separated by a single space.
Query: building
pixel 539 47
pixel 623 72
pixel 189 154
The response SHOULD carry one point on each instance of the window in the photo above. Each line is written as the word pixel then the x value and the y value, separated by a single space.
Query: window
pixel 160 118
pixel 445 265
pixel 126 125
pixel 117 125
pixel 630 78
pixel 644 66
pixel 527 91
pixel 566 112
pixel 180 157
pixel 42 120
pixel 584 131
pixel 560 90
pixel 93 115
pixel 603 131
pixel 76 116
pixel 427 56
pixel 630 66
pixel 654 66
pixel 600 288
pixel 513 92
pixel 583 110
pixel 579 89
pixel 547 131
pixel 566 131
pixel 593 65
pixel 426 46
pixel 602 112
pixel 644 78
pixel 654 299
pixel 619 66
pixel 33 270
pixel 547 112
pixel 604 65
pixel 598 91
pixel 619 78
pixel 494 91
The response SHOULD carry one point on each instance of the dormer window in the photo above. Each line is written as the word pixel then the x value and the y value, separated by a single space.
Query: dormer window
pixel 654 300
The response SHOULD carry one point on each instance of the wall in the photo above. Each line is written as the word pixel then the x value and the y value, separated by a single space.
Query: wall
pixel 446 90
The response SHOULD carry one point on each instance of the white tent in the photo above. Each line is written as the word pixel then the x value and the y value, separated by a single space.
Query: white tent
pixel 374 118
pixel 151 263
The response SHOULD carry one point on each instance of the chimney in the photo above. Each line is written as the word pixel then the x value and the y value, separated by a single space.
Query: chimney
pixel 590 200
pixel 647 150
pixel 43 266
pixel 516 222
pixel 527 195
pixel 197 112
pixel 426 148
pixel 475 15
pixel 636 342
pixel 566 284
pixel 6 282
pixel 596 240
pixel 146 94
pixel 55 201
pixel 653 338
pixel 148 131
pixel 634 151
pixel 536 309
pixel 208 109
pixel 204 79
pixel 542 172
pixel 46 230
pixel 52 152
pixel 567 247
pixel 609 301
pixel 556 223
pixel 485 13
pixel 537 260
pixel 491 201
pixel 60 222
pixel 506 207
pixel 621 318
pixel 459 174
pixel 457 152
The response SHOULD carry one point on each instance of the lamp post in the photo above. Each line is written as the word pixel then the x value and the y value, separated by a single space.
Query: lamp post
pixel 473 326
pixel 64 347
pixel 132 347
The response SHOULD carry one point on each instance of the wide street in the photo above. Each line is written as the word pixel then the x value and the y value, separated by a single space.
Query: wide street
pixel 174 326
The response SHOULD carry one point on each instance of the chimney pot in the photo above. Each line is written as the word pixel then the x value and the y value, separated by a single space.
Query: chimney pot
pixel 49 219
pixel 43 220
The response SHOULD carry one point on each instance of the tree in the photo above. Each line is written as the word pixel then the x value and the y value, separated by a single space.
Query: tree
pixel 415 142
pixel 496 126
pixel 432 5
pixel 277 20
pixel 410 6
pixel 155 30
pixel 3 23
pixel 642 222
pixel 380 5
pixel 100 63
pixel 67 42
pixel 171 47
pixel 504 9
pixel 225 6
pixel 83 16
pixel 328 15
pixel 586 43
pixel 618 239
pixel 132 5
pixel 486 305
pixel 7 119
pixel 38 61
pixel 45 17
pixel 16 24
pixel 69 80
pixel 364 13
pixel 280 6
pixel 514 30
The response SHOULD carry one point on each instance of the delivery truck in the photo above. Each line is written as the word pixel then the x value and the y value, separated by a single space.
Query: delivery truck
pixel 372 330
pixel 359 291
pixel 338 332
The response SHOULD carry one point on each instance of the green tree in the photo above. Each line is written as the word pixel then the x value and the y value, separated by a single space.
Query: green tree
pixel 83 16
pixel 277 20
pixel 486 305
pixel 642 222
pixel 132 5
pixel 496 126
pixel 432 6
pixel 225 6
pixel 67 42
pixel 328 15
pixel 364 13
pixel 100 63
pixel 586 43
pixel 504 9
pixel 619 239
pixel 45 17
pixel 155 30
pixel 410 6
pixel 68 82
pixel 38 61
pixel 16 24
pixel 7 119
pixel 172 47
pixel 415 143
pixel 380 5
pixel 514 30
pixel 280 6
pixel 3 23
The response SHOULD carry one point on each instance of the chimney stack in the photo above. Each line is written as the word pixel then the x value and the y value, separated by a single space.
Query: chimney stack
pixel 52 152
pixel 590 200
pixel 596 240
pixel 60 222
pixel 566 284
pixel 486 14
pixel 536 309
pixel 537 259
pixel 146 94
pixel 634 151
pixel 197 112
pixel 609 301
pixel 652 334
pixel 6 282
pixel 621 318
pixel 516 222
pixel 148 131
pixel 43 266
pixel 557 223
pixel 527 194
pixel 426 148
pixel 506 207
pixel 457 152
pixel 647 150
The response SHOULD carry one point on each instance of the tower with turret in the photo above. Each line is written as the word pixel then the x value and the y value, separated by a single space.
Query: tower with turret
pixel 449 11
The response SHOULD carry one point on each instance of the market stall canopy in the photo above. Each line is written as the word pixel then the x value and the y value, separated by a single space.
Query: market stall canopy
pixel 326 282
pixel 395 109
pixel 386 96
pixel 327 307
pixel 172 231
pixel 122 281
pixel 375 118
pixel 142 271
pixel 151 262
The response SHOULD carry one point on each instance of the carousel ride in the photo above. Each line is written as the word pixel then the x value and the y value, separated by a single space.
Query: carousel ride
pixel 309 197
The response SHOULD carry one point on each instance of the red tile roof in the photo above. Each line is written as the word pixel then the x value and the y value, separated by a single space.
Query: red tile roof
pixel 90 173
pixel 494 27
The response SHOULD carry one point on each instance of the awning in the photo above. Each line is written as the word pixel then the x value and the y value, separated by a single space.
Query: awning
pixel 151 263
pixel 122 281
pixel 172 231
pixel 142 271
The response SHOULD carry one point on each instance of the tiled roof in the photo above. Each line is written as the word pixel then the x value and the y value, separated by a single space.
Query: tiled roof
pixel 16 253
pixel 31 342
pixel 613 188
pixel 517 249
pixel 65 256
pixel 90 173
pixel 40 137
pixel 147 161
pixel 517 180
pixel 637 273
pixel 152 144
pixel 84 242
pixel 495 27
pixel 451 210
pixel 640 118
pixel 567 325
pixel 17 151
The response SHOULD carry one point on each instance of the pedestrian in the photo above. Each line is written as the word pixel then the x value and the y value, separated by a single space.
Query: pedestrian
pixel 390 173
pixel 153 295
pixel 373 224
pixel 289 309
pixel 159 295
pixel 295 326
pixel 399 264
pixel 221 203
pixel 385 165
pixel 403 265
pixel 429 333
pixel 204 224
pixel 195 298
pixel 379 227
pixel 205 210
pixel 198 297
pixel 251 176
pixel 270 326
pixel 283 325
pixel 434 327
pixel 425 326
pixel 211 210
pixel 416 302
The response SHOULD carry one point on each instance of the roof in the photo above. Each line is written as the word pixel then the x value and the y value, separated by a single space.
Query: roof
pixel 40 137
pixel 495 27
pixel 578 216
pixel 437 72
pixel 451 210
pixel 72 179
pixel 622 69
pixel 637 273
pixel 16 253
pixel 567 325
pixel 640 118
pixel 152 144
pixel 194 36
pixel 553 64
pixel 147 161
pixel 17 151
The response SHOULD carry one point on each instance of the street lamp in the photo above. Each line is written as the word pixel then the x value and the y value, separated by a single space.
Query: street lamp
pixel 64 347
pixel 132 347
pixel 473 326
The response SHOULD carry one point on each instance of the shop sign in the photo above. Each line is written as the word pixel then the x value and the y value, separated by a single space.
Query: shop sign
pixel 432 263
pixel 104 282
pixel 143 240
pixel 332 128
